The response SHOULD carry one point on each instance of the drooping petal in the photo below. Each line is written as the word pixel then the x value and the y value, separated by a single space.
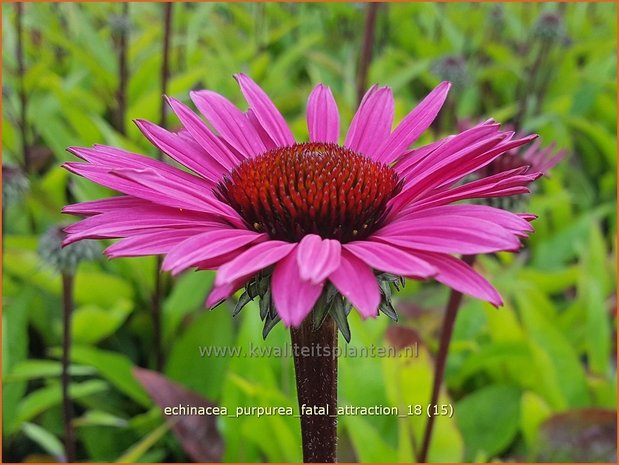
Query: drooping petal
pixel 317 258
pixel 254 259
pixel 110 204
pixel 371 125
pixel 448 235
pixel 389 259
pixel 178 192
pixel 206 246
pixel 265 111
pixel 222 292
pixel 462 277
pixel 230 122
pixel 355 281
pixel 105 177
pixel 154 243
pixel 294 297
pixel 323 118
pixel 124 222
pixel 413 125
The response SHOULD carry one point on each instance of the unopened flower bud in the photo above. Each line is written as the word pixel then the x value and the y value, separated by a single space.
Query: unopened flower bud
pixel 65 259
pixel 14 185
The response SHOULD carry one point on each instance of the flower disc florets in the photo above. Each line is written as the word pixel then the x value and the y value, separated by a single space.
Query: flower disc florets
pixel 311 188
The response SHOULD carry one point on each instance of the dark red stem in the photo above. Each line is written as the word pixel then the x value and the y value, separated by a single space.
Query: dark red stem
pixel 67 407
pixel 366 49
pixel 316 378
pixel 451 312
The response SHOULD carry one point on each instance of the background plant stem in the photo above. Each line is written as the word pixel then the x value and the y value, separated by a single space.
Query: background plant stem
pixel 165 75
pixel 67 407
pixel 316 378
pixel 23 99
pixel 366 49
pixel 451 312
pixel 123 73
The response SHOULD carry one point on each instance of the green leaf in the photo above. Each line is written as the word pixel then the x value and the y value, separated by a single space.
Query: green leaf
pixel 188 295
pixel 534 411
pixel 48 442
pixel 114 367
pixel 489 419
pixel 44 398
pixel 204 375
pixel 34 369
pixel 138 450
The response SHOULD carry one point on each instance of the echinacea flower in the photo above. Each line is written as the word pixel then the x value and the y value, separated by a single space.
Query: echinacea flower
pixel 301 222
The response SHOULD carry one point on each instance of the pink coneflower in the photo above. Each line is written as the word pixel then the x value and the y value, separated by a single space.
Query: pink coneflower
pixel 295 221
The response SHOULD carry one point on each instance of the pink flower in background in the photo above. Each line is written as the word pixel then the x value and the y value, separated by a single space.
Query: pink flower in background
pixel 307 216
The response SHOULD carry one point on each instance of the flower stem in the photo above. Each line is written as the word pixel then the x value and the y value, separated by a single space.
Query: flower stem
pixel 366 50
pixel 67 408
pixel 315 366
pixel 451 312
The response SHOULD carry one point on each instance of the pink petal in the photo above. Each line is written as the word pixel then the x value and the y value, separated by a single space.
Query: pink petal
pixel 94 207
pixel 371 125
pixel 265 111
pixel 294 298
pixel 179 150
pixel 155 243
pixel 201 133
pixel 323 118
pixel 461 277
pixel 231 124
pixel 418 162
pixel 206 246
pixel 448 235
pixel 178 193
pixel 428 177
pixel 317 258
pixel 219 293
pixel 264 136
pixel 355 281
pixel 112 158
pixel 510 182
pixel 389 259
pixel 252 260
pixel 137 220
pixel 505 219
pixel 413 125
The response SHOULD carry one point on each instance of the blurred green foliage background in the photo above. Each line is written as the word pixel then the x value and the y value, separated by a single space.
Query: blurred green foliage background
pixel 535 380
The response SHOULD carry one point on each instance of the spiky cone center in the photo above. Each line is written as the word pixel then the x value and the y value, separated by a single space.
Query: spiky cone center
pixel 311 188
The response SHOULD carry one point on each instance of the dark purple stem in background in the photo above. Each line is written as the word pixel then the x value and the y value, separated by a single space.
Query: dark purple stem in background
pixel 451 312
pixel 123 73
pixel 316 379
pixel 165 66
pixel 366 49
pixel 67 407
pixel 23 99
pixel 165 75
